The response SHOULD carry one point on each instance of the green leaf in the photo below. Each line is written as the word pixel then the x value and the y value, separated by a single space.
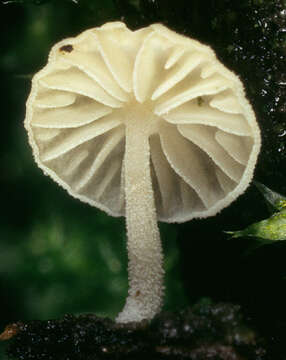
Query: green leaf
pixel 272 228
pixel 274 200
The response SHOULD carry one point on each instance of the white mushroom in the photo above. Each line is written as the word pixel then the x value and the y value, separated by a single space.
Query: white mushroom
pixel 148 125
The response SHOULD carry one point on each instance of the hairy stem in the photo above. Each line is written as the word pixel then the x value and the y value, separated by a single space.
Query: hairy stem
pixel 145 259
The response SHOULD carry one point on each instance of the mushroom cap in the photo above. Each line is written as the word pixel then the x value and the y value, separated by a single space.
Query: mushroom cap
pixel 203 136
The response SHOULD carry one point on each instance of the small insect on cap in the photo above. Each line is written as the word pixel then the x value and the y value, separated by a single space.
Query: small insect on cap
pixel 146 124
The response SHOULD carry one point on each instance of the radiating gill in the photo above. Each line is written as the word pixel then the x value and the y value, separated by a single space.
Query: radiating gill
pixel 184 66
pixel 193 113
pixel 194 167
pixel 227 102
pixel 82 112
pixel 188 91
pixel 149 67
pixel 175 54
pixel 74 80
pixel 77 136
pixel 77 159
pixel 117 61
pixel 238 147
pixel 225 182
pixel 93 64
pixel 106 180
pixel 204 138
pixel 112 140
pixel 54 99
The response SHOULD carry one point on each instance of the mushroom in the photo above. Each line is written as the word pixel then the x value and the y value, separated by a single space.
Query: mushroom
pixel 145 124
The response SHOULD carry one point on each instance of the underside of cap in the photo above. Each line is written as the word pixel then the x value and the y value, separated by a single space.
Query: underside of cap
pixel 203 135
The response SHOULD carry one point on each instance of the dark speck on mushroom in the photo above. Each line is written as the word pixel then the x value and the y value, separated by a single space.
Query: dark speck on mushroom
pixel 66 48
pixel 200 101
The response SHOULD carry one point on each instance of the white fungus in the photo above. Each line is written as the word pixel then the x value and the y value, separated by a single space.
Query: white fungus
pixel 144 124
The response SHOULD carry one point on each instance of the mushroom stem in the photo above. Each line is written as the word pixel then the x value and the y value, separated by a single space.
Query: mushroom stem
pixel 145 258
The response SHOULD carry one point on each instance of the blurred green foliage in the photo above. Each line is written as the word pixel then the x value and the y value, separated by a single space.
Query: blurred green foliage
pixel 69 264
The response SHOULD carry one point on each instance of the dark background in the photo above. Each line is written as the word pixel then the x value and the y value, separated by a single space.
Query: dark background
pixel 58 255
